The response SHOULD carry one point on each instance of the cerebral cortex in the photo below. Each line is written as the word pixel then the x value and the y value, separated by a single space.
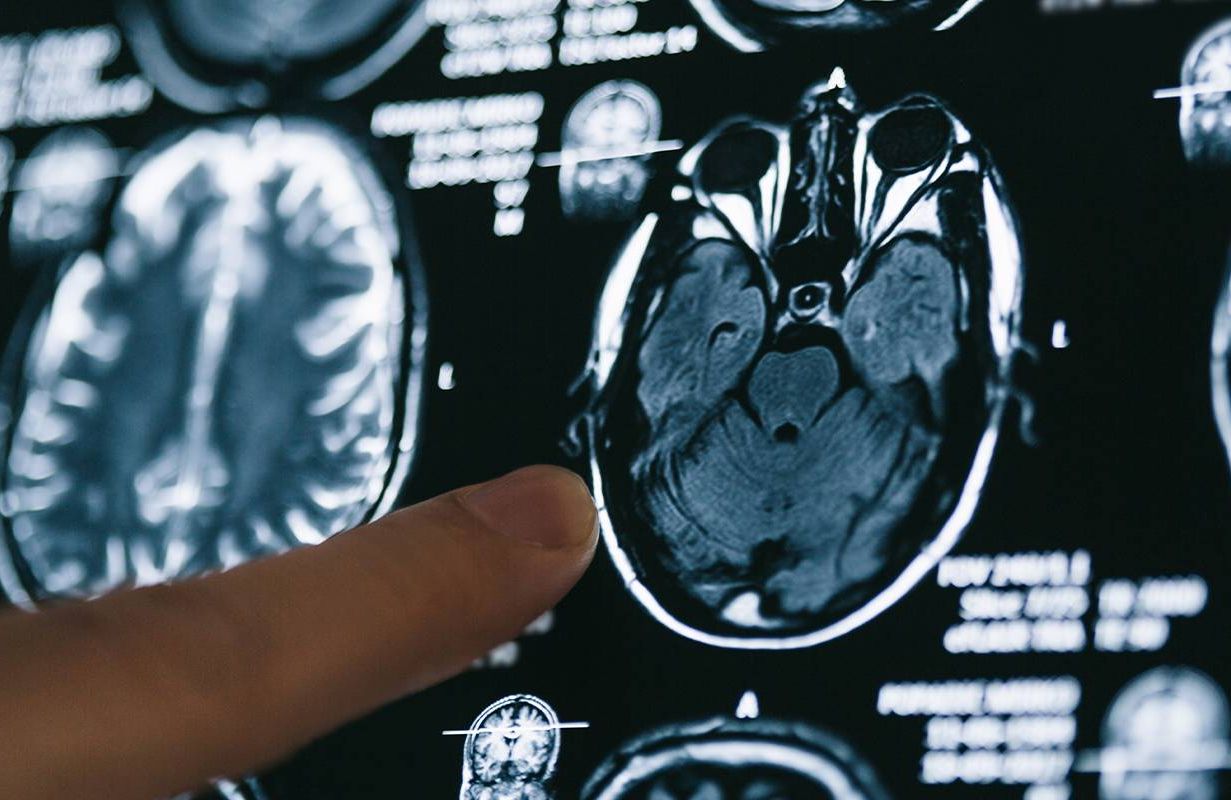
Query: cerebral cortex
pixel 218 382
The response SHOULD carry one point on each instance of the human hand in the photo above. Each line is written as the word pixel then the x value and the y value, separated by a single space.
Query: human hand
pixel 148 692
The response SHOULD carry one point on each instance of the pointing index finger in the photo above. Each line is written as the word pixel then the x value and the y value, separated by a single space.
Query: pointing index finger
pixel 153 691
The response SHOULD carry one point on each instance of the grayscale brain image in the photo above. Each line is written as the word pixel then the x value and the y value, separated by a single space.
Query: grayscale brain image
pixel 511 751
pixel 734 759
pixel 59 193
pixel 782 352
pixel 1205 105
pixel 602 174
pixel 211 55
pixel 1166 737
pixel 752 25
pixel 225 379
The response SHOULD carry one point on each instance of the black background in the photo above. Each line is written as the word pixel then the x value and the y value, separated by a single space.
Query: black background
pixel 1122 241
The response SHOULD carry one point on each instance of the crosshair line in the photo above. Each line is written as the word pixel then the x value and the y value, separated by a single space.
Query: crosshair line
pixel 512 729
pixel 579 155
pixel 1211 756
pixel 1195 90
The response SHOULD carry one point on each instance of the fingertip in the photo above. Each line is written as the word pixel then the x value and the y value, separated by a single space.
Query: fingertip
pixel 544 506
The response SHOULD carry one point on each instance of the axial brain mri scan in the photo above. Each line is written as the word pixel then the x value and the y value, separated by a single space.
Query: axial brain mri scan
pixel 213 55
pixel 231 375
pixel 781 350
pixel 754 25
pixel 511 751
pixel 735 759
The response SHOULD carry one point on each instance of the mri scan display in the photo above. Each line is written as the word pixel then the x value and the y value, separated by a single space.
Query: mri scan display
pixel 1165 737
pixel 213 55
pixel 732 759
pixel 602 175
pixel 231 375
pixel 59 192
pixel 780 355
pixel 511 751
pixel 1205 102
pixel 753 25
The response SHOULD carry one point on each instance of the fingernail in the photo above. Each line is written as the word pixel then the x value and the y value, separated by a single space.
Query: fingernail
pixel 543 506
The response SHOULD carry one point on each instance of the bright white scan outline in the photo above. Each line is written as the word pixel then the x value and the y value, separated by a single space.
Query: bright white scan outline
pixel 1004 318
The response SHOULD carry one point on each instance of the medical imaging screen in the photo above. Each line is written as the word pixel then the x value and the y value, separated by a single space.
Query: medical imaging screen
pixel 892 338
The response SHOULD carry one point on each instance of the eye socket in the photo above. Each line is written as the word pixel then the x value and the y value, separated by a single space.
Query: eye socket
pixel 910 138
pixel 737 159
pixel 806 300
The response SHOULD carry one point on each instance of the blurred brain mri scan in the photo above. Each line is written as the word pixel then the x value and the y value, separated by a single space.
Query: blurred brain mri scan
pixel 213 55
pixel 735 759
pixel 511 751
pixel 754 25
pixel 1165 737
pixel 1205 104
pixel 602 175
pixel 781 351
pixel 59 192
pixel 234 374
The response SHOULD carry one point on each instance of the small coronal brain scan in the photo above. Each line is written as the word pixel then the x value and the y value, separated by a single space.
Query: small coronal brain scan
pixel 212 55
pixel 800 366
pixel 511 751
pixel 603 173
pixel 234 373
pixel 1205 98
pixel 754 25
pixel 59 193
pixel 1165 737
pixel 733 759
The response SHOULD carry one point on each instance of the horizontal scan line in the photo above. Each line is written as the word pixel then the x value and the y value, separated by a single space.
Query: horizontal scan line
pixel 1194 90
pixel 582 154
pixel 510 729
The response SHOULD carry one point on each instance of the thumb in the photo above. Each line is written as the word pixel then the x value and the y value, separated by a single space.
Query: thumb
pixel 157 690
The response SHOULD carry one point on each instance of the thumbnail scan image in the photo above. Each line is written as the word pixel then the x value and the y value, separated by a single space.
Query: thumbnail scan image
pixel 799 369
pixel 1205 101
pixel 511 750
pixel 1165 737
pixel 734 759
pixel 214 55
pixel 755 25
pixel 234 373
pixel 59 192
pixel 602 177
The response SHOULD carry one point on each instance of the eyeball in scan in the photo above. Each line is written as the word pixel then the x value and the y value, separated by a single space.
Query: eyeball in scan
pixel 800 365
